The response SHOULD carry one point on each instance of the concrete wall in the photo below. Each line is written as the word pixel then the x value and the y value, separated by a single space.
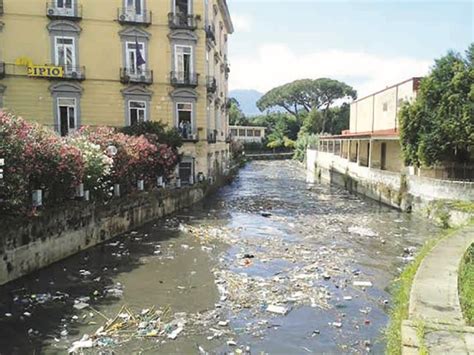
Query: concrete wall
pixel 379 111
pixel 392 188
pixel 57 234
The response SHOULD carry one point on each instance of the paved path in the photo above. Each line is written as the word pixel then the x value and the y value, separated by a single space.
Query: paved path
pixel 434 300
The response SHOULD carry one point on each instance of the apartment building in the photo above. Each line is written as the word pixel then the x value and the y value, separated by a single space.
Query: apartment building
pixel 373 137
pixel 69 63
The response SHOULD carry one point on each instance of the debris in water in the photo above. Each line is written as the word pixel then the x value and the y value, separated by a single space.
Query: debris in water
pixel 362 283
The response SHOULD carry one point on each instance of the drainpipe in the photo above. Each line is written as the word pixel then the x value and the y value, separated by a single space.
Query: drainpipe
pixel 396 109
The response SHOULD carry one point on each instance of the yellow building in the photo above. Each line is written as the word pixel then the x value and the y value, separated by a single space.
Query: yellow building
pixel 373 137
pixel 69 63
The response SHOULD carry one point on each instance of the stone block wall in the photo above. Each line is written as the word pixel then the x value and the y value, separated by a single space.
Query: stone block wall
pixel 28 245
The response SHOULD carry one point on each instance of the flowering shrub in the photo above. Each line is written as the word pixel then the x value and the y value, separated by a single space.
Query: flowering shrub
pixel 97 165
pixel 37 158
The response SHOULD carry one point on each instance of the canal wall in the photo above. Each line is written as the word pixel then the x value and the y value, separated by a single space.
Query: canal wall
pixel 404 192
pixel 269 156
pixel 26 246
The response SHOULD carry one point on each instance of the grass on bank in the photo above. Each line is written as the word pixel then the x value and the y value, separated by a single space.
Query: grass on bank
pixel 466 286
pixel 400 291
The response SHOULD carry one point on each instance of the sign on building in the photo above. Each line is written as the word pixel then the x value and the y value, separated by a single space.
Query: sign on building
pixel 45 71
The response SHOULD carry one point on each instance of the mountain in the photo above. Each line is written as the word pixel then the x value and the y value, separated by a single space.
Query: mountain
pixel 248 100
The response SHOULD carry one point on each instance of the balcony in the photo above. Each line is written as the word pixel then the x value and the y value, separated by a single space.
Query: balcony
pixel 132 76
pixel 55 12
pixel 182 21
pixel 183 79
pixel 189 137
pixel 128 16
pixel 74 73
pixel 211 136
pixel 2 70
pixel 211 85
pixel 211 33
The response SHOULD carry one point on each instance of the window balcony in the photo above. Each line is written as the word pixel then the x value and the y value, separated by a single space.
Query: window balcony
pixel 2 70
pixel 211 136
pixel 183 79
pixel 55 12
pixel 127 16
pixel 74 73
pixel 211 33
pixel 189 137
pixel 182 21
pixel 211 85
pixel 132 76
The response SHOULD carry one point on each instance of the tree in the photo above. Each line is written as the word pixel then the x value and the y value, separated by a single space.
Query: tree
pixel 306 95
pixel 439 125
pixel 236 116
pixel 333 121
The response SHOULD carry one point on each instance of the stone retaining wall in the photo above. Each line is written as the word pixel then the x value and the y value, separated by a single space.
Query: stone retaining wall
pixel 397 190
pixel 26 246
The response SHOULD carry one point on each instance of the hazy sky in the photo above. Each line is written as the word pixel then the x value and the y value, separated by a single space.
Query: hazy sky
pixel 368 44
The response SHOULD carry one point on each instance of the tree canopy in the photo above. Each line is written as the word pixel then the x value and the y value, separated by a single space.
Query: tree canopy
pixel 439 125
pixel 306 95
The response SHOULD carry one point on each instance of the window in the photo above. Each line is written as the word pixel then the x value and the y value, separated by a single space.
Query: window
pixel 67 115
pixel 182 7
pixel 65 53
pixel 134 7
pixel 136 112
pixel 233 132
pixel 385 107
pixel 250 133
pixel 133 64
pixel 257 133
pixel 186 171
pixel 184 114
pixel 242 132
pixel 183 61
pixel 65 7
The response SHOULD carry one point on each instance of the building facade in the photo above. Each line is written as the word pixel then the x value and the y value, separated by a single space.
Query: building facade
pixel 373 137
pixel 247 134
pixel 70 63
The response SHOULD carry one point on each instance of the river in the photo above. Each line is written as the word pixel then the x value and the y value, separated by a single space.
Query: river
pixel 223 271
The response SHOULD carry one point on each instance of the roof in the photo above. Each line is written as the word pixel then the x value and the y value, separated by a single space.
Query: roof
pixel 385 133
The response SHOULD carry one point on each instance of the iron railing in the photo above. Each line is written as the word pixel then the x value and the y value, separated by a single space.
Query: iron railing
pixel 53 11
pixel 179 79
pixel 188 136
pixel 127 15
pixel 211 136
pixel 182 21
pixel 211 32
pixel 74 72
pixel 211 84
pixel 133 76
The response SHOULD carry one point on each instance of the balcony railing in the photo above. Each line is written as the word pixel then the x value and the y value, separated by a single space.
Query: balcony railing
pixel 211 33
pixel 74 73
pixel 188 136
pixel 53 11
pixel 211 84
pixel 2 70
pixel 182 21
pixel 211 136
pixel 180 79
pixel 129 16
pixel 132 76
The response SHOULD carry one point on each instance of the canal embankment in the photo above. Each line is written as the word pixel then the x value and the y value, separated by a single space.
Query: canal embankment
pixel 30 244
pixel 431 197
pixel 435 322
